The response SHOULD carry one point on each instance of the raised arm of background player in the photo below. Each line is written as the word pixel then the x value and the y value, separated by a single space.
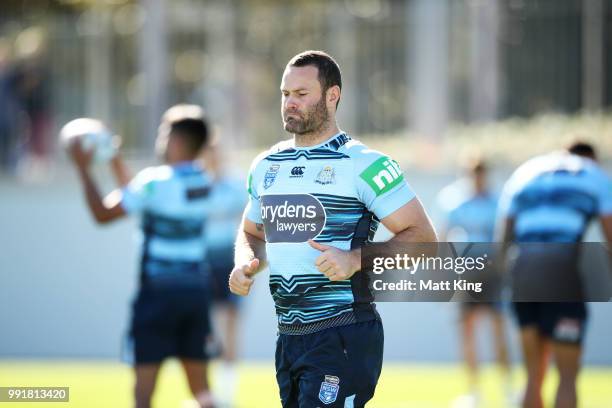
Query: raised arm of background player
pixel 409 223
pixel 103 210
pixel 118 167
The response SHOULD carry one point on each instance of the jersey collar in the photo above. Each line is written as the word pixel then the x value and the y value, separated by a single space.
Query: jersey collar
pixel 185 167
pixel 333 143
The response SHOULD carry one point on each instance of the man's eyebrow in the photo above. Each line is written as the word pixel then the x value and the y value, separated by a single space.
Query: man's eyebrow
pixel 293 90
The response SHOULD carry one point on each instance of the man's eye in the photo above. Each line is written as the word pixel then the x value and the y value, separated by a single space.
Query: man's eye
pixel 303 93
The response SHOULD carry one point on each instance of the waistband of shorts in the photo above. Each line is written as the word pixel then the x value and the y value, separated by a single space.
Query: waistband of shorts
pixel 349 317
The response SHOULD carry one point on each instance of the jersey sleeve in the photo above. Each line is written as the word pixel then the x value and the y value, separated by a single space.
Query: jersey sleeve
pixel 253 207
pixel 136 195
pixel 380 183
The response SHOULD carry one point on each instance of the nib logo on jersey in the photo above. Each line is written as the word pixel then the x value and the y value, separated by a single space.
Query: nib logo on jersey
pixel 291 217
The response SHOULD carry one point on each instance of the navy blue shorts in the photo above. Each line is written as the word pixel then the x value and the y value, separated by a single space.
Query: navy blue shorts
pixel 169 324
pixel 221 264
pixel 561 322
pixel 335 367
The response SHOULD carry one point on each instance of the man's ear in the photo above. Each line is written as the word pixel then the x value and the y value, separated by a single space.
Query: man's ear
pixel 333 95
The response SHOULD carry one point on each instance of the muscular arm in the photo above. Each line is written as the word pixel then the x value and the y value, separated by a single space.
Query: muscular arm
pixel 409 223
pixel 250 243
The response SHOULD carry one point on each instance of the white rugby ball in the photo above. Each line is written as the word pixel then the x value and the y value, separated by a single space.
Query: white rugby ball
pixel 92 134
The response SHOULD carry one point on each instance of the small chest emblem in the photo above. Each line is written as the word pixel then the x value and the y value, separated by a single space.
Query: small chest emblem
pixel 326 176
pixel 270 175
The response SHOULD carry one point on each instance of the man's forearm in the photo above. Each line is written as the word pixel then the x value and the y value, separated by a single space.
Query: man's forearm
pixel 403 240
pixel 92 196
pixel 423 239
pixel 120 171
pixel 249 247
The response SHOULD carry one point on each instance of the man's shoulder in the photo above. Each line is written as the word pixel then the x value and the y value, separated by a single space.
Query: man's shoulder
pixel 280 147
pixel 154 174
pixel 362 155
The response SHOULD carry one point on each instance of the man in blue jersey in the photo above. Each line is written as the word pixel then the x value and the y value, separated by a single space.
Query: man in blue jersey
pixel 551 199
pixel 170 314
pixel 314 201
pixel 470 208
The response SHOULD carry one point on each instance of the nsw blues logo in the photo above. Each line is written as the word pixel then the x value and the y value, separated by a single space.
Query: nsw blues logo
pixel 329 389
pixel 271 175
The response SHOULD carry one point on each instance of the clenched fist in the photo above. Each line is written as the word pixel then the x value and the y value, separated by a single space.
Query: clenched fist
pixel 240 279
pixel 335 263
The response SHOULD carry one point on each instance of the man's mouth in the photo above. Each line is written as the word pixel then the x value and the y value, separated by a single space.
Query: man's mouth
pixel 293 115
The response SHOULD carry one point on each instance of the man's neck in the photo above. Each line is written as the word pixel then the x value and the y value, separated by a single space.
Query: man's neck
pixel 178 160
pixel 315 138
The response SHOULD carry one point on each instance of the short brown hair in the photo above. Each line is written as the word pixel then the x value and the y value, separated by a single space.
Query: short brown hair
pixel 329 70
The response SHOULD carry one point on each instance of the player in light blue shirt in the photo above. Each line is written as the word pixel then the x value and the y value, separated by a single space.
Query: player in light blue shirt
pixel 551 199
pixel 227 200
pixel 314 201
pixel 170 313
pixel 470 209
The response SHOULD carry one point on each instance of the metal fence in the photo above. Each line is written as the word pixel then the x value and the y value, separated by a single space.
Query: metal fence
pixel 408 65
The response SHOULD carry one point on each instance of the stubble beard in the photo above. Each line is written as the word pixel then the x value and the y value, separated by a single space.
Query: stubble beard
pixel 315 123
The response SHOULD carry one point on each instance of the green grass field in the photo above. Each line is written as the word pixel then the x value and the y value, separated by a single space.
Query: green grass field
pixel 96 384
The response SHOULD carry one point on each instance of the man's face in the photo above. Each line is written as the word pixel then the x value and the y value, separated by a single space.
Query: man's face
pixel 480 179
pixel 303 106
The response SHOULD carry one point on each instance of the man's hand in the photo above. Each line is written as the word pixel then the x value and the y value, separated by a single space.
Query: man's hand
pixel 81 158
pixel 240 279
pixel 335 263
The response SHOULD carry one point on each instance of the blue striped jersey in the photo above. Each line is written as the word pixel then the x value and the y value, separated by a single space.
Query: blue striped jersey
pixel 334 193
pixel 227 201
pixel 469 217
pixel 173 204
pixel 553 197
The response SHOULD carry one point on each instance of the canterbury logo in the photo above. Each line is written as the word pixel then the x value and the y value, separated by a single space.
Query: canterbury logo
pixel 298 171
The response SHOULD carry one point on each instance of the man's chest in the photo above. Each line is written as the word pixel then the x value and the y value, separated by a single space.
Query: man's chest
pixel 307 176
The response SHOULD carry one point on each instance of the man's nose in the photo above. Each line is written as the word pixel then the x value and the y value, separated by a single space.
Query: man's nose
pixel 291 102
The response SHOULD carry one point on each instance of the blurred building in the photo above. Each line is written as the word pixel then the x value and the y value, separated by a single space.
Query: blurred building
pixel 416 64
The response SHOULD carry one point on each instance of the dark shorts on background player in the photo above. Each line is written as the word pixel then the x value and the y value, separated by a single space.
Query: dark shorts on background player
pixel 169 323
pixel 221 264
pixel 561 322
pixel 335 367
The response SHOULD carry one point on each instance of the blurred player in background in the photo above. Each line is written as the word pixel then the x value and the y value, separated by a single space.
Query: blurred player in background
pixel 470 208
pixel 170 314
pixel 319 197
pixel 227 201
pixel 551 199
